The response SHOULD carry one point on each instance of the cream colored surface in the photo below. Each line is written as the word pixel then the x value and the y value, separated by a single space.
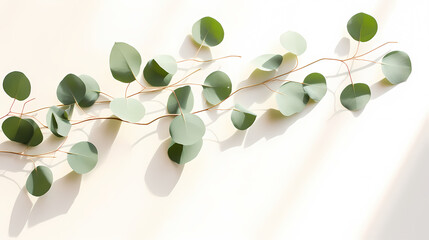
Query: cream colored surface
pixel 325 173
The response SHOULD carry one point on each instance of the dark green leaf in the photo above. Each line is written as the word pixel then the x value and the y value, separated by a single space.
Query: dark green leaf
pixel 92 91
pixel 217 87
pixel 242 118
pixel 125 62
pixel 355 96
pixel 207 31
pixel 37 137
pixel 40 181
pixel 186 100
pixel 362 27
pixel 17 85
pixel 57 123
pixel 18 129
pixel 160 70
pixel 315 86
pixel 182 154
pixel 71 90
pixel 268 62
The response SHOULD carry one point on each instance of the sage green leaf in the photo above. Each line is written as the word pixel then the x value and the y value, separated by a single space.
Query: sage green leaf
pixel 268 62
pixel 40 181
pixel 68 111
pixel 160 70
pixel 92 91
pixel 396 66
pixel 57 123
pixel 82 157
pixel 187 129
pixel 185 100
pixel 208 32
pixel 242 118
pixel 355 96
pixel 18 129
pixel 127 109
pixel 17 85
pixel 71 89
pixel 293 42
pixel 217 87
pixel 362 27
pixel 125 62
pixel 37 137
pixel 291 98
pixel 315 86
pixel 182 154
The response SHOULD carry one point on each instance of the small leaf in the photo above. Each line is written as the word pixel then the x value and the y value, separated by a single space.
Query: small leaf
pixel 127 109
pixel 293 42
pixel 355 96
pixel 125 62
pixel 362 27
pixel 82 157
pixel 217 87
pixel 17 85
pixel 71 90
pixel 187 129
pixel 37 137
pixel 242 118
pixel 57 123
pixel 291 98
pixel 182 154
pixel 18 129
pixel 40 181
pixel 160 70
pixel 186 100
pixel 268 62
pixel 92 91
pixel 207 31
pixel 396 66
pixel 315 86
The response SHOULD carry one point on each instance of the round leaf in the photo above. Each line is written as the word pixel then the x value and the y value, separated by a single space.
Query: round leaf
pixel 293 42
pixel 396 67
pixel 127 109
pixel 82 157
pixel 362 27
pixel 40 181
pixel 160 70
pixel 92 91
pixel 37 137
pixel 355 96
pixel 315 86
pixel 182 154
pixel 242 118
pixel 187 129
pixel 217 87
pixel 57 122
pixel 186 100
pixel 207 31
pixel 71 89
pixel 291 98
pixel 268 62
pixel 17 85
pixel 125 62
pixel 18 129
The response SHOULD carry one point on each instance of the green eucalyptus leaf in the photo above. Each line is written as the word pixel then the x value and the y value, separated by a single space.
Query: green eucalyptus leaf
pixel 82 157
pixel 293 42
pixel 242 118
pixel 71 90
pixel 18 129
pixel 17 85
pixel 207 31
pixel 92 91
pixel 127 109
pixel 362 27
pixel 182 154
pixel 40 181
pixel 268 62
pixel 315 86
pixel 291 98
pixel 57 122
pixel 125 62
pixel 187 129
pixel 160 70
pixel 217 87
pixel 396 66
pixel 355 96
pixel 37 137
pixel 68 111
pixel 185 100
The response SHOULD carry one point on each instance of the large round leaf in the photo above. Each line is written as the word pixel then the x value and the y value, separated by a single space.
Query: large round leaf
pixel 187 129
pixel 40 181
pixel 242 118
pixel 293 42
pixel 362 27
pixel 17 85
pixel 182 154
pixel 315 86
pixel 92 91
pixel 57 122
pixel 186 100
pixel 160 70
pixel 18 129
pixel 82 157
pixel 291 98
pixel 217 87
pixel 268 62
pixel 125 62
pixel 207 31
pixel 127 109
pixel 396 66
pixel 355 96
pixel 71 89
pixel 37 137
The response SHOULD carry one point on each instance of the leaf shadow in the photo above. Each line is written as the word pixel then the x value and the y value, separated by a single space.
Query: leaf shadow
pixel 343 47
pixel 20 213
pixel 103 135
pixel 380 88
pixel 12 163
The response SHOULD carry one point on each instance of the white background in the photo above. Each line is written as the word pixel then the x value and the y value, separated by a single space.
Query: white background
pixel 325 173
